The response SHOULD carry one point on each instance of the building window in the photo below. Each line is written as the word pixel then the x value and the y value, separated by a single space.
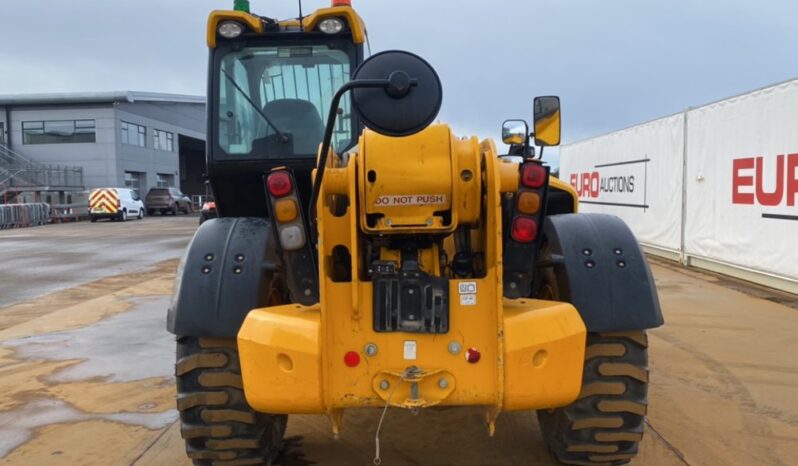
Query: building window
pixel 134 135
pixel 166 181
pixel 58 132
pixel 133 180
pixel 163 140
pixel 2 133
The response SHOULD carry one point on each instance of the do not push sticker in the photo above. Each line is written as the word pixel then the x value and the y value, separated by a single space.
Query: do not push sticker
pixel 398 200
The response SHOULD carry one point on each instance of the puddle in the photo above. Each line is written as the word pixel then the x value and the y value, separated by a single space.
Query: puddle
pixel 17 426
pixel 130 346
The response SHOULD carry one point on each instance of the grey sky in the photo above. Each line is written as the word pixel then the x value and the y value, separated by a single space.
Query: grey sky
pixel 614 62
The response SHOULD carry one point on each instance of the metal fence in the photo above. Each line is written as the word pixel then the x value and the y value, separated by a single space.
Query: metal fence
pixel 198 200
pixel 60 213
pixel 24 215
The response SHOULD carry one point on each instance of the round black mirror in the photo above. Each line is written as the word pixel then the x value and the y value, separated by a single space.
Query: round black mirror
pixel 408 104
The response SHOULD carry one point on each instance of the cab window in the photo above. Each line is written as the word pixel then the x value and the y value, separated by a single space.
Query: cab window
pixel 266 92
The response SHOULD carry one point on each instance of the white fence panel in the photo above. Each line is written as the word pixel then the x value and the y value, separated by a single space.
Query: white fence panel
pixel 742 181
pixel 635 174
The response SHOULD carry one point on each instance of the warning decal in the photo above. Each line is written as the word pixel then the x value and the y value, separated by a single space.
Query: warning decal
pixel 398 200
pixel 467 287
pixel 468 300
pixel 468 293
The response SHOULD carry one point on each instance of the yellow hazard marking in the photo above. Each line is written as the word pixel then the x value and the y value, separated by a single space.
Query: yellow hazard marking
pixel 103 200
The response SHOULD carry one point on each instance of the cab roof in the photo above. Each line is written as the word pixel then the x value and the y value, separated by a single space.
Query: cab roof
pixel 261 25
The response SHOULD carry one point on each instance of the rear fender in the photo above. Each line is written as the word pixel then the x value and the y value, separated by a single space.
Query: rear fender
pixel 226 272
pixel 601 270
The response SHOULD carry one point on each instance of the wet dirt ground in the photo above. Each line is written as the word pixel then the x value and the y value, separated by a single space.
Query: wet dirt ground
pixel 40 260
pixel 86 370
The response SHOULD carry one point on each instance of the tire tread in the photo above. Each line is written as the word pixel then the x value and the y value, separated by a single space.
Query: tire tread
pixel 605 424
pixel 217 424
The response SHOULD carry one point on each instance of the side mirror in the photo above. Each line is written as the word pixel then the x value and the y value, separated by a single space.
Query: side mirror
pixel 547 121
pixel 514 132
pixel 407 102
pixel 395 93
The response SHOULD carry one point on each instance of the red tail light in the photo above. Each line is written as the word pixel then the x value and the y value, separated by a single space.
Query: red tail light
pixel 525 229
pixel 533 175
pixel 279 184
pixel 118 203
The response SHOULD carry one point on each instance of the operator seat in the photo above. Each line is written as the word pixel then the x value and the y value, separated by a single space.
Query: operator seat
pixel 300 119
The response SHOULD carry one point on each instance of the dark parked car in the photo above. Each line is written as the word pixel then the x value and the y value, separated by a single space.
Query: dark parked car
pixel 167 200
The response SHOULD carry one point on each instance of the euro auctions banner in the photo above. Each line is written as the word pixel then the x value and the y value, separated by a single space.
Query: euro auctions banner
pixel 742 181
pixel 635 174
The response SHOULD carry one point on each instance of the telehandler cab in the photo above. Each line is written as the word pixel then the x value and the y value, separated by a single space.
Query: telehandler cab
pixel 375 259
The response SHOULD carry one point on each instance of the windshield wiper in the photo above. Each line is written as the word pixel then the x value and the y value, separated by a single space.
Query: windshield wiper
pixel 280 135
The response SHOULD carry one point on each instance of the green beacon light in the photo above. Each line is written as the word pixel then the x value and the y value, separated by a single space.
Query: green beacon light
pixel 241 5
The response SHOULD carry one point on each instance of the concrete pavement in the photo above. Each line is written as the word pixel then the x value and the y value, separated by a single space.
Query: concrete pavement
pixel 39 260
pixel 86 378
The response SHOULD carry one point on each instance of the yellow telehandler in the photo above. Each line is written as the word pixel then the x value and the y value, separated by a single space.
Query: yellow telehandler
pixel 366 257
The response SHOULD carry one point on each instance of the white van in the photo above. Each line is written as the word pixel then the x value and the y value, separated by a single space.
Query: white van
pixel 115 204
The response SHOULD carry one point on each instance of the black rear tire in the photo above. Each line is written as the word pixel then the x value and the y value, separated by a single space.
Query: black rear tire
pixel 218 425
pixel 605 424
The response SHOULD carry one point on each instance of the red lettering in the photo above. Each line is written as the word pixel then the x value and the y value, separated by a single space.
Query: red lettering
pixel 772 198
pixel 595 181
pixel 792 178
pixel 585 184
pixel 739 181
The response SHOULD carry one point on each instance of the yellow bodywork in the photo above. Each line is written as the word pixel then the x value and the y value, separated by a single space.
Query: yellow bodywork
pixel 437 172
pixel 255 24
pixel 532 351
pixel 249 20
pixel 348 14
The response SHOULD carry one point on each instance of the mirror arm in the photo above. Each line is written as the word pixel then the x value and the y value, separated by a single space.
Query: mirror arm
pixel 327 141
pixel 527 144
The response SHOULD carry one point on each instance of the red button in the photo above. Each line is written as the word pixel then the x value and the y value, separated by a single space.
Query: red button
pixel 351 359
pixel 472 355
